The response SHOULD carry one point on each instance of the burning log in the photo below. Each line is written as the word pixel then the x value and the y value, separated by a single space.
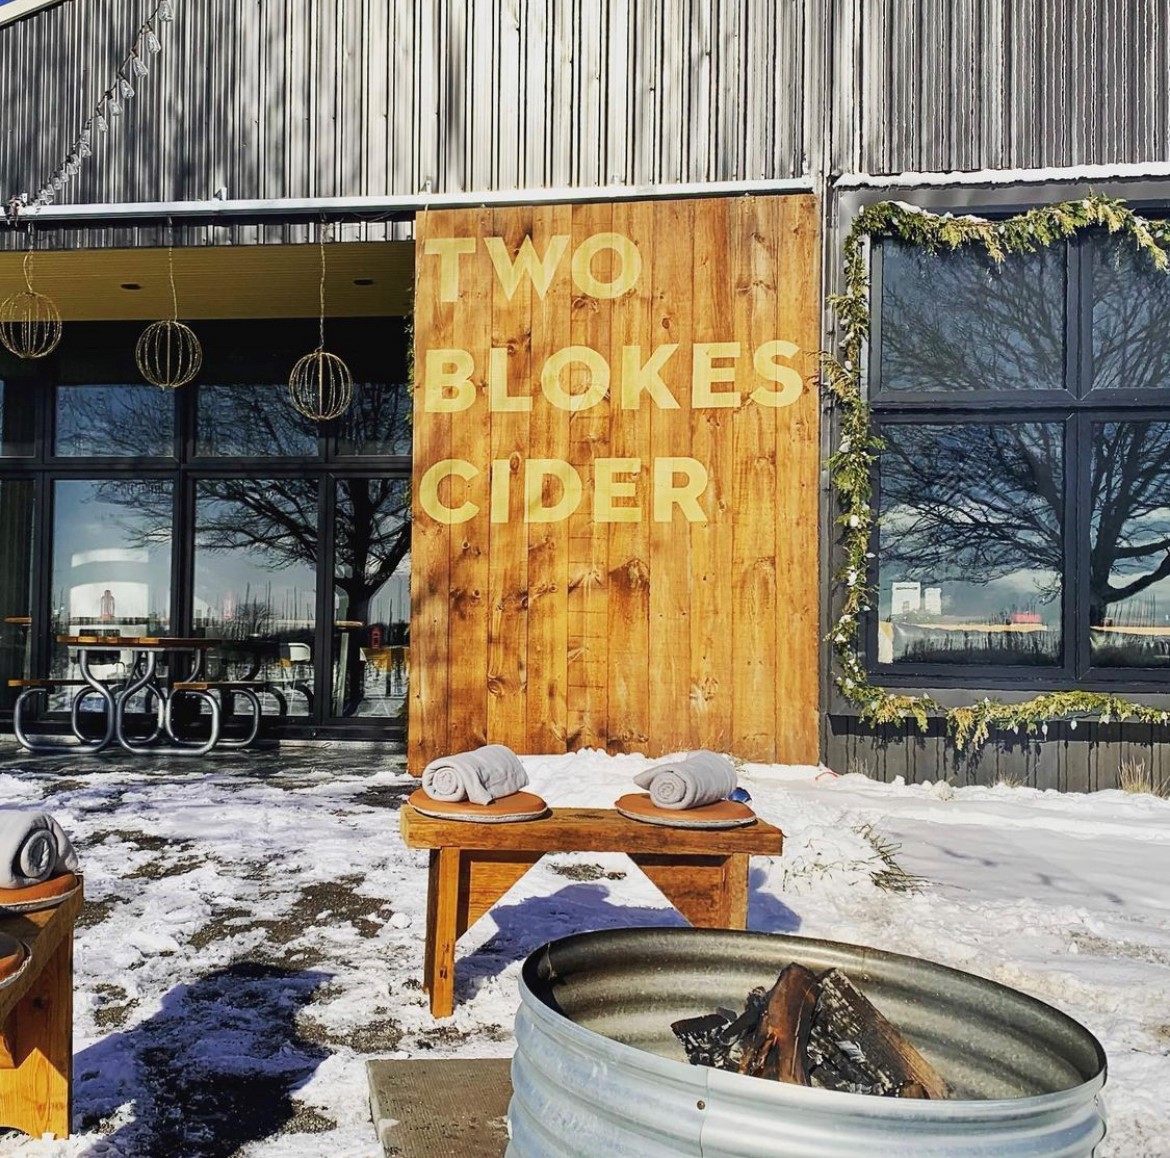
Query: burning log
pixel 809 1030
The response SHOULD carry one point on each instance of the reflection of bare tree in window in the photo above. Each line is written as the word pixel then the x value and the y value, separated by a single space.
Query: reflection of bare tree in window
pixel 277 518
pixel 977 502
pixel 1131 319
pixel 960 322
pixel 973 502
pixel 1130 501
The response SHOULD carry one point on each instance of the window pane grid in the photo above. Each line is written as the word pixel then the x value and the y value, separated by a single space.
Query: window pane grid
pixel 1022 544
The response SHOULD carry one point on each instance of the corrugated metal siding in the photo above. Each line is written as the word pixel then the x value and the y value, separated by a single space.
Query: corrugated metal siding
pixel 1088 759
pixel 308 98
pixel 945 85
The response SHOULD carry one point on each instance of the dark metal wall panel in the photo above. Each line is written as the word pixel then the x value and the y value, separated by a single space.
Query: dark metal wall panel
pixel 1085 760
pixel 316 98
pixel 964 85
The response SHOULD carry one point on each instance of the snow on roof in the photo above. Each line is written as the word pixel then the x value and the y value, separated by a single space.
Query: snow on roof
pixel 14 9
pixel 1120 171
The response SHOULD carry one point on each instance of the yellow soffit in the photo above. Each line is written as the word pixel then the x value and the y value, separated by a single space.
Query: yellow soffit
pixel 363 279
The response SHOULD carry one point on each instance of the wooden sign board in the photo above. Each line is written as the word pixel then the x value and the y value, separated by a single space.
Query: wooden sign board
pixel 616 460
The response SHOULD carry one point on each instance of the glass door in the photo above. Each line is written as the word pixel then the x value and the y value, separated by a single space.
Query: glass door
pixel 255 585
pixel 371 597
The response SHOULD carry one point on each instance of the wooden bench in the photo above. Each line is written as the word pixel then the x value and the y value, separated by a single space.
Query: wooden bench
pixel 702 872
pixel 36 1024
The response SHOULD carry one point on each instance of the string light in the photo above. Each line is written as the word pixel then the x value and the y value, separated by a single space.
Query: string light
pixel 109 105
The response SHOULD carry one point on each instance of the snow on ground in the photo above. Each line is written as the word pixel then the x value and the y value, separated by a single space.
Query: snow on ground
pixel 253 930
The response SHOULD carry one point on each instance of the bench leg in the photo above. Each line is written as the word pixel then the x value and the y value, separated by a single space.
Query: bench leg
pixel 36 1052
pixel 464 884
pixel 442 930
pixel 710 891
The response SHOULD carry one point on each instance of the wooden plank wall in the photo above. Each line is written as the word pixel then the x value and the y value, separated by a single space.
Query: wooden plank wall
pixel 572 606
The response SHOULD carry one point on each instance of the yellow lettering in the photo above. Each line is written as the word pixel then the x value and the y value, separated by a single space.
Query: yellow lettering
pixel 538 270
pixel 428 492
pixel 607 488
pixel 536 470
pixel 498 396
pixel 629 265
pixel 788 376
pixel 686 495
pixel 550 378
pixel 638 377
pixel 449 250
pixel 501 489
pixel 448 370
pixel 704 374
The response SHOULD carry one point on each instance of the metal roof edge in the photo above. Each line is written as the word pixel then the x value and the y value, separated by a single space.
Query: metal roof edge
pixel 18 9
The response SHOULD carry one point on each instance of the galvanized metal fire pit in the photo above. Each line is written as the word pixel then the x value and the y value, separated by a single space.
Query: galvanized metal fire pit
pixel 598 1073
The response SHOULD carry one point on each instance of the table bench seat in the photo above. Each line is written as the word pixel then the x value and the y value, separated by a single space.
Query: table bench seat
pixel 702 872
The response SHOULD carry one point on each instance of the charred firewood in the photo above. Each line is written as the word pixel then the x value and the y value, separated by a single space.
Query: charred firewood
pixel 869 1043
pixel 812 1031
pixel 717 1039
pixel 778 1047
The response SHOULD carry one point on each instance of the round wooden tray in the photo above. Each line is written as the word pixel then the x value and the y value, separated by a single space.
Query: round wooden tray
pixel 724 814
pixel 43 896
pixel 518 806
pixel 14 956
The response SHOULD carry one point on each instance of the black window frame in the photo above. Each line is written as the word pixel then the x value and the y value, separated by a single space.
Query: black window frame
pixel 1078 407
pixel 185 468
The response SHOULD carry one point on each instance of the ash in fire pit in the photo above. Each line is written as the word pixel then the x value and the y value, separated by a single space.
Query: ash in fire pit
pixel 812 1031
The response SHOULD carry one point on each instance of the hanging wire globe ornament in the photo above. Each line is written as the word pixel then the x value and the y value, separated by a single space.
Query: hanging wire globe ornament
pixel 30 323
pixel 168 353
pixel 320 386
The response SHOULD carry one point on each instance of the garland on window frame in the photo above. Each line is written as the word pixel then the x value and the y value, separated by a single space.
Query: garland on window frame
pixel 852 464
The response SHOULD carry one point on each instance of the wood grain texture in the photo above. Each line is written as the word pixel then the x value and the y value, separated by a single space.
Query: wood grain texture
pixel 632 622
pixel 548 542
pixel 588 542
pixel 468 544
pixel 507 674
pixel 588 830
pixel 36 1013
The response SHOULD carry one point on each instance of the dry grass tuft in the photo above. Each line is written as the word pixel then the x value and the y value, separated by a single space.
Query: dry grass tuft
pixel 1132 776
pixel 889 874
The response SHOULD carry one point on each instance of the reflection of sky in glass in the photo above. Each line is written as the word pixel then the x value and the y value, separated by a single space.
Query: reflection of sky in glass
pixel 381 532
pixel 970 545
pixel 1131 318
pixel 958 321
pixel 101 546
pixel 1129 563
pixel 115 420
pixel 269 583
pixel 378 421
pixel 251 420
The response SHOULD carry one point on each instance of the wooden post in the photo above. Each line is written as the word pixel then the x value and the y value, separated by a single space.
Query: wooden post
pixel 36 1013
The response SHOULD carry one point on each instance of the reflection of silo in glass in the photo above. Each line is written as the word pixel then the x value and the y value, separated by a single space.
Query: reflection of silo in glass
pixel 106 589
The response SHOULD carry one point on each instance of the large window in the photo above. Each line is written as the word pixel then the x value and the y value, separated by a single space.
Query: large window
pixel 215 510
pixel 1024 484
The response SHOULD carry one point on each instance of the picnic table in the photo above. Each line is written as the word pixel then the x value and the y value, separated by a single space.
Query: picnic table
pixel 142 674
pixel 702 872
pixel 36 1023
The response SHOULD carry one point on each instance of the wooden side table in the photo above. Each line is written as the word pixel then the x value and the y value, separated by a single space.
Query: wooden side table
pixel 702 872
pixel 36 1024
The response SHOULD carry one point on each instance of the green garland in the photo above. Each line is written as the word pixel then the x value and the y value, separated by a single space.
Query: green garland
pixel 851 465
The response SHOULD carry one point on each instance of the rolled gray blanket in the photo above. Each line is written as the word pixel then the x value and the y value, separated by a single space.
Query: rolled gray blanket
pixel 701 778
pixel 33 848
pixel 480 776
